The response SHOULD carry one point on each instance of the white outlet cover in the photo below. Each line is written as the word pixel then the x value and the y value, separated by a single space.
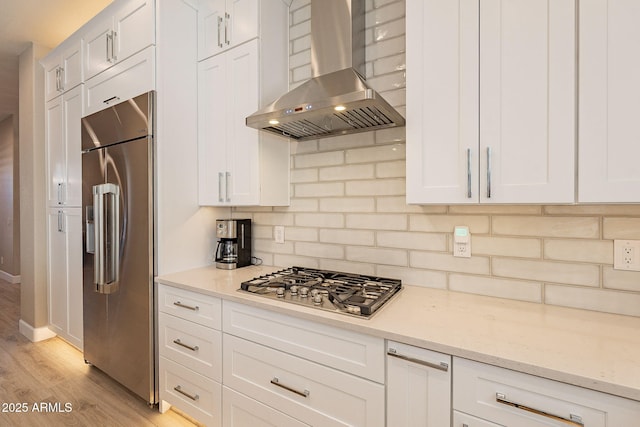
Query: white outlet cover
pixel 278 233
pixel 626 255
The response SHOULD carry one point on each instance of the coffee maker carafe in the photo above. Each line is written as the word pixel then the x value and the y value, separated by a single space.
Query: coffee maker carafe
pixel 234 243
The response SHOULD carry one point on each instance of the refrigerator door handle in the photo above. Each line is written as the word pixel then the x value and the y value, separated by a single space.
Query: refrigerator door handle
pixel 107 242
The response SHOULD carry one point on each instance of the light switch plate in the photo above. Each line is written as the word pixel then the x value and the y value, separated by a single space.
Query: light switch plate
pixel 626 255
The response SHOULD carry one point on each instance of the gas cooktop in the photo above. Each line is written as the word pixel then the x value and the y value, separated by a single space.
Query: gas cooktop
pixel 353 294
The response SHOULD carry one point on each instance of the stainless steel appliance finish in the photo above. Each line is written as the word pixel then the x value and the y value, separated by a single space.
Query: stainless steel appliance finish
pixel 118 234
pixel 353 294
pixel 337 101
pixel 234 243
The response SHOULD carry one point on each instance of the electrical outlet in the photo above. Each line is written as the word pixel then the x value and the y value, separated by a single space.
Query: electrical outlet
pixel 278 233
pixel 626 255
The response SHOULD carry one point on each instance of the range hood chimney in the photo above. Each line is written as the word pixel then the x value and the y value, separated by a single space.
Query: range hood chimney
pixel 336 100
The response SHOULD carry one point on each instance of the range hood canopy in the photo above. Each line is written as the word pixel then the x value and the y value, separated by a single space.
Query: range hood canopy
pixel 337 101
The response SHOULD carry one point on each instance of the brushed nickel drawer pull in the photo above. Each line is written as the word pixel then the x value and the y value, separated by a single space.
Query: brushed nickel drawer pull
pixel 189 307
pixel 276 381
pixel 442 366
pixel 178 388
pixel 574 420
pixel 180 343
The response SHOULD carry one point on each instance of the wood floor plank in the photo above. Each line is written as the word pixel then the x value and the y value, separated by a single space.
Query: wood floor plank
pixel 50 380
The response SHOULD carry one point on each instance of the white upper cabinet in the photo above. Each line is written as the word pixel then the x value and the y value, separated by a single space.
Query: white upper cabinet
pixel 609 101
pixel 117 33
pixel 63 68
pixel 238 165
pixel 491 101
pixel 223 24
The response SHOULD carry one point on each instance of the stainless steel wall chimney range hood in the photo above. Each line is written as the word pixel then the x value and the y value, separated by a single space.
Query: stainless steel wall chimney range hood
pixel 337 100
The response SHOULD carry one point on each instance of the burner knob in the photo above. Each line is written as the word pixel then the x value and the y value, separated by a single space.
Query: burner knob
pixel 317 298
pixel 314 292
pixel 304 292
pixel 280 292
pixel 294 290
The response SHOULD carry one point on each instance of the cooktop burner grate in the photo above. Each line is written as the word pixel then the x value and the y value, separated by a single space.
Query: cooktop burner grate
pixel 354 294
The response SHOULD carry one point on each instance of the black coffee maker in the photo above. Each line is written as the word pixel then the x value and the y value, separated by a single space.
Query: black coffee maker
pixel 234 243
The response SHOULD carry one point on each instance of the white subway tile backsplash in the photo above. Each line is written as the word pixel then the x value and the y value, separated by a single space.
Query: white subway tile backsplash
pixel 408 240
pixel 376 153
pixel 621 228
pixel 595 251
pixel 447 262
pixel 593 299
pixel 547 271
pixel 331 189
pixel 375 187
pixel 342 173
pixel 376 255
pixel 348 209
pixel 347 204
pixel 377 222
pixel 585 227
pixel 348 237
pixel 494 287
pixel 446 223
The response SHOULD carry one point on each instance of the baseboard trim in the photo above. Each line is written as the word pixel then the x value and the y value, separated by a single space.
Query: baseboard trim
pixel 9 278
pixel 35 334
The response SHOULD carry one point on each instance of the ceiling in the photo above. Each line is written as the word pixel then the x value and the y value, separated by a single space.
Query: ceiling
pixel 43 22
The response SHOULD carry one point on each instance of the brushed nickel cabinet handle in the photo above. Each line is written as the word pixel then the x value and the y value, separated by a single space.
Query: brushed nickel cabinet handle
pixel 220 184
pixel 189 307
pixel 227 186
pixel 276 381
pixel 187 346
pixel 441 367
pixel 219 28
pixel 227 40
pixel 178 388
pixel 573 420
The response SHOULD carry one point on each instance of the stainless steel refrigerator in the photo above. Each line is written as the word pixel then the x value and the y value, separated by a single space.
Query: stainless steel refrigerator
pixel 118 233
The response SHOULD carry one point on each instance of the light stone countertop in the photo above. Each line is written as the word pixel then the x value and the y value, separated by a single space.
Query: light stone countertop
pixel 589 349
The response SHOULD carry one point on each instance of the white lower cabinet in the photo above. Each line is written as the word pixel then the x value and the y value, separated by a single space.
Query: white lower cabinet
pixel 512 398
pixel 314 373
pixel 418 387
pixel 190 349
pixel 239 410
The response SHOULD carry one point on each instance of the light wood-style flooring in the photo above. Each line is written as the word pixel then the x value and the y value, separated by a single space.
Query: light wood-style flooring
pixel 51 374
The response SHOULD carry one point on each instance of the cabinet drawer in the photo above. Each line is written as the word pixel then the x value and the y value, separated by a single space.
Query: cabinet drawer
pixel 202 309
pixel 310 392
pixel 355 353
pixel 239 410
pixel 195 346
pixel 125 80
pixel 193 394
pixel 464 420
pixel 516 399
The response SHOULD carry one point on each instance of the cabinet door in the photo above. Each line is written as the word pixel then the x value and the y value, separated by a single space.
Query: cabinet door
pixel 98 46
pixel 212 131
pixel 239 410
pixel 243 24
pixel 127 79
pixel 52 79
pixel 211 17
pixel 73 230
pixel 57 272
pixel 442 104
pixel 71 63
pixel 527 101
pixel 73 104
pixel 418 387
pixel 609 97
pixel 134 28
pixel 243 178
pixel 461 419
pixel 56 165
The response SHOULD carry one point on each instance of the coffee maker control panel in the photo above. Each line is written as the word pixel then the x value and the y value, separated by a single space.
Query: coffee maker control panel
pixel 226 229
